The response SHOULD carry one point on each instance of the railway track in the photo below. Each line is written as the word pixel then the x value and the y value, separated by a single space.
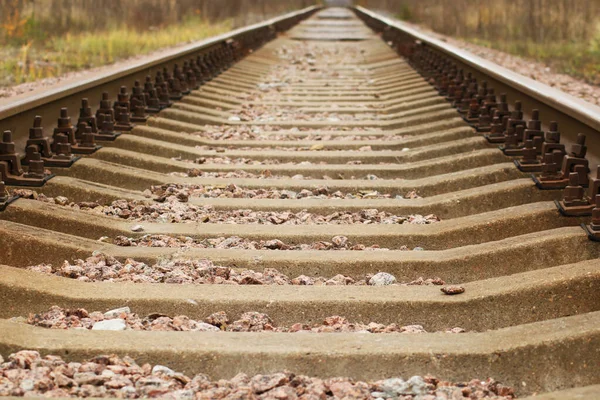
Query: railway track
pixel 300 176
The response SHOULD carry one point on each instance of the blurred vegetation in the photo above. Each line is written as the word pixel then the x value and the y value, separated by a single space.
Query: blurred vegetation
pixel 565 34
pixel 46 38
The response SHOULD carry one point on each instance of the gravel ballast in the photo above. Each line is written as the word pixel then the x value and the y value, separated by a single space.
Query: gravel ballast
pixel 173 207
pixel 251 321
pixel 104 268
pixel 26 373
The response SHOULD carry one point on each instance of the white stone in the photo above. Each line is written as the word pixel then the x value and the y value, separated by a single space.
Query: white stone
pixel 137 228
pixel 61 200
pixel 116 312
pixel 204 327
pixel 108 373
pixel 117 324
pixel 289 194
pixel 129 392
pixel 380 395
pixel 235 118
pixel 27 385
pixel 417 386
pixel 382 279
pixel 162 370
pixel 393 386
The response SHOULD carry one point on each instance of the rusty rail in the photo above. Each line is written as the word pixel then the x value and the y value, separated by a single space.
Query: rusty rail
pixel 18 112
pixel 572 114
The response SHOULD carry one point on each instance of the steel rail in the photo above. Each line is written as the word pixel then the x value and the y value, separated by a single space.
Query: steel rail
pixel 17 113
pixel 573 114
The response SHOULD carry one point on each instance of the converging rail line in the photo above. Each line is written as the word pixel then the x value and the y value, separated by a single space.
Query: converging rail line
pixel 326 171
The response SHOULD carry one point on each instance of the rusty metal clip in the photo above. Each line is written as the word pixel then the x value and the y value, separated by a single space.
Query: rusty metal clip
pixel 575 161
pixel 11 171
pixel 63 158
pixel 162 89
pixel 5 197
pixel 533 132
pixel 151 94
pixel 497 128
pixel 181 77
pixel 190 76
pixel 484 122
pixel 122 110
pixel 529 161
pixel 593 229
pixel 512 139
pixel 197 72
pixel 551 146
pixel 138 102
pixel 64 127
pixel 574 202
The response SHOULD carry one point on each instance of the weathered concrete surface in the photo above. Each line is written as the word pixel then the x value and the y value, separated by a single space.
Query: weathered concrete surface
pixel 451 205
pixel 139 179
pixel 525 297
pixel 419 169
pixel 564 352
pixel 409 142
pixel 30 246
pixel 582 393
pixel 428 127
pixel 474 229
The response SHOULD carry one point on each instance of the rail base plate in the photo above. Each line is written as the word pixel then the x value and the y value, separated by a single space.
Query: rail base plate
pixel 61 163
pixel 511 152
pixel 549 185
pixel 56 163
pixel 528 167
pixel 86 150
pixel 107 138
pixel 593 236
pixel 482 129
pixel 494 139
pixel 123 128
pixel 577 211
pixel 28 182
pixel 5 203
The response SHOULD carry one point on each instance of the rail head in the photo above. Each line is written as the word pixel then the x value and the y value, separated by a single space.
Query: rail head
pixel 587 113
pixel 12 106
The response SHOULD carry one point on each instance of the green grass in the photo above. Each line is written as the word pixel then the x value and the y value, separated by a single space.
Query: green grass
pixel 52 57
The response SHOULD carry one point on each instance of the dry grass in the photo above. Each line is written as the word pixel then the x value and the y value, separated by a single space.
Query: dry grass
pixel 47 38
pixel 72 52
pixel 564 34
